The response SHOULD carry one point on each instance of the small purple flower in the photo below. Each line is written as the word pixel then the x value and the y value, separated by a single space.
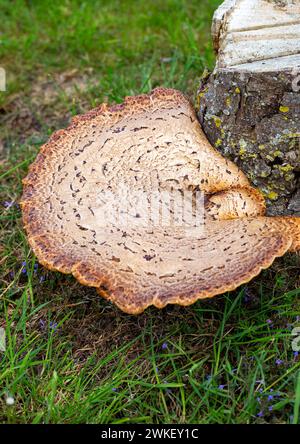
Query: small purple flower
pixel 260 414
pixel 221 387
pixel 270 397
pixel 114 389
pixel 164 346
pixel 12 274
pixel 247 298
pixel 269 321
pixel 42 278
pixel 258 399
pixel 296 354
pixel 53 326
pixel 270 408
pixel 24 269
pixel 8 203
pixel 279 361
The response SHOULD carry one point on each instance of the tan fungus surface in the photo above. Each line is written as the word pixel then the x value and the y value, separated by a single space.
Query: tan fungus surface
pixel 150 142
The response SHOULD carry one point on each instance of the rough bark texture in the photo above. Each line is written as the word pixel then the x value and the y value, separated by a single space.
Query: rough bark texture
pixel 250 111
pixel 254 119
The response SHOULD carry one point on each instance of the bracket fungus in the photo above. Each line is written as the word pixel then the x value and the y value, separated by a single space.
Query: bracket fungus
pixel 79 220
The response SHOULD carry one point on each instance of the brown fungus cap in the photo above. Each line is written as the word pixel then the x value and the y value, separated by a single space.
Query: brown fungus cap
pixel 150 143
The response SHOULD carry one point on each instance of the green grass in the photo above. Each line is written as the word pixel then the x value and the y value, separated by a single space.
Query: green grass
pixel 72 357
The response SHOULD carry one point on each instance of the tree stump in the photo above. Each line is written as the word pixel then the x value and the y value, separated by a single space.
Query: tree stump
pixel 249 107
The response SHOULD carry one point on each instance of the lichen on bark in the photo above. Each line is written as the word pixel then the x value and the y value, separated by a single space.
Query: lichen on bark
pixel 254 119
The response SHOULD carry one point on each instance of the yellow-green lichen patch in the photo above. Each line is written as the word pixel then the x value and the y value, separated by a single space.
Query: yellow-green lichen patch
pixel 284 109
pixel 289 177
pixel 272 195
pixel 217 121
pixel 264 174
pixel 286 168
pixel 292 135
pixel 270 158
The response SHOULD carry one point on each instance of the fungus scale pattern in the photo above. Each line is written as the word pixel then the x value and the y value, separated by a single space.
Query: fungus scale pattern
pixel 148 143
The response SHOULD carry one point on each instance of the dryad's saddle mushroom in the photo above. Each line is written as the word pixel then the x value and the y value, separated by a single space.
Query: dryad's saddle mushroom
pixel 83 215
